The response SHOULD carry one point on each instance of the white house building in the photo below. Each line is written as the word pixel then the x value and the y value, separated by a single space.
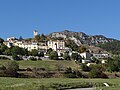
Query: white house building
pixel 85 55
pixel 98 56
pixel 57 45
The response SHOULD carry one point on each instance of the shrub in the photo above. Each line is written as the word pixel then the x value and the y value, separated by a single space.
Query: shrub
pixel 68 70
pixel 70 75
pixel 11 68
pixel 28 69
pixel 96 72
pixel 76 56
pixel 66 56
pixel 84 67
pixel 33 58
pixel 53 55
pixel 77 73
pixel 2 67
pixel 15 57
pixel 41 54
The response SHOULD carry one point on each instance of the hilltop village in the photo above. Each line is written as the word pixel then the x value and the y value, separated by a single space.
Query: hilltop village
pixel 60 54
pixel 56 43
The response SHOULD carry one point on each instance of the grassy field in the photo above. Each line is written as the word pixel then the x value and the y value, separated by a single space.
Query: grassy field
pixel 34 83
pixel 48 64
pixel 7 83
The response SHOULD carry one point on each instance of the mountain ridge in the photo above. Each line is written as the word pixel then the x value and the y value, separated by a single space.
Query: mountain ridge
pixel 82 38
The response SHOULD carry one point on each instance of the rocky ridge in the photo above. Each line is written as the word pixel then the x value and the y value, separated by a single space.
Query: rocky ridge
pixel 82 38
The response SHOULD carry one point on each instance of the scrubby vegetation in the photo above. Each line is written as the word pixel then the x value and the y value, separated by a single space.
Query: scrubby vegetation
pixel 112 47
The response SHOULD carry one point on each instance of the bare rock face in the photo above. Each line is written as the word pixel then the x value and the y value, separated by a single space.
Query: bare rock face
pixel 82 38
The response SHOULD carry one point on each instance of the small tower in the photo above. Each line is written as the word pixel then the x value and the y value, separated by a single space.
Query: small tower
pixel 35 33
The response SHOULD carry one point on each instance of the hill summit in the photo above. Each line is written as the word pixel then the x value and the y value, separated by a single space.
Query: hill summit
pixel 82 38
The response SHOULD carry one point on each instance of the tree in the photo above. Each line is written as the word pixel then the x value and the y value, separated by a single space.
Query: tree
pixel 76 56
pixel 113 64
pixel 7 51
pixel 20 38
pixel 15 57
pixel 49 50
pixel 34 52
pixel 84 67
pixel 53 55
pixel 11 68
pixel 112 47
pixel 66 56
pixel 77 73
pixel 95 60
pixel 18 51
pixel 1 40
pixel 68 70
pixel 96 71
pixel 41 54
pixel 28 39
pixel 42 38
pixel 71 44
pixel 82 49
pixel 37 38
pixel 3 47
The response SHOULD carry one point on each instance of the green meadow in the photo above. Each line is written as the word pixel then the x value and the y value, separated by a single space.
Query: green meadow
pixel 47 64
pixel 7 83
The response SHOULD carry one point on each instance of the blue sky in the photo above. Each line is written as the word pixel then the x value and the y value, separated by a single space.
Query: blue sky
pixel 21 17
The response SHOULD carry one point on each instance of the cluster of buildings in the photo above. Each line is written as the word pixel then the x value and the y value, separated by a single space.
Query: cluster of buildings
pixel 56 45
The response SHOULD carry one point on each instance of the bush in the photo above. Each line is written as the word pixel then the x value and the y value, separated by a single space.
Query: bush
pixel 66 56
pixel 77 73
pixel 68 70
pixel 2 67
pixel 16 57
pixel 53 55
pixel 33 58
pixel 28 69
pixel 11 68
pixel 96 72
pixel 76 56
pixel 34 52
pixel 41 54
pixel 70 75
pixel 84 67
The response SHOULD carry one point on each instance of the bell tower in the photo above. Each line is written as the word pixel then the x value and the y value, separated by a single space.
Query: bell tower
pixel 35 32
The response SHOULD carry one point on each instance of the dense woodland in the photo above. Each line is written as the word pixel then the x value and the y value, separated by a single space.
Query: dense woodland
pixel 112 47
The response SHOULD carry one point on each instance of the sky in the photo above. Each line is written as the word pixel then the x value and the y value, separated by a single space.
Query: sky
pixel 93 17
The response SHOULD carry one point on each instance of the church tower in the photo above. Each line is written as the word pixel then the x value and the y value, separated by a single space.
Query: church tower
pixel 35 32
